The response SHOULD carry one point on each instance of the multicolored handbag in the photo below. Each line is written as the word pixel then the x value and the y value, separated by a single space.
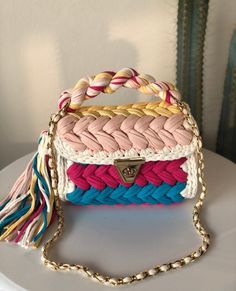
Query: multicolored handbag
pixel 149 152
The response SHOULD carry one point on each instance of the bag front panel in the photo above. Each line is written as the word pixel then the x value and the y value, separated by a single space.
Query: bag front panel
pixel 159 182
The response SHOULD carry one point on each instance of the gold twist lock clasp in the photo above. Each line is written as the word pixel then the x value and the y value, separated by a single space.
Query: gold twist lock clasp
pixel 128 168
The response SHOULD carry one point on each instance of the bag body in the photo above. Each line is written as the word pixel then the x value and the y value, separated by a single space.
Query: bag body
pixel 147 152
pixel 149 139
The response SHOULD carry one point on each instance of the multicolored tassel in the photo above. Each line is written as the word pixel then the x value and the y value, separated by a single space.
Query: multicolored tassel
pixel 27 211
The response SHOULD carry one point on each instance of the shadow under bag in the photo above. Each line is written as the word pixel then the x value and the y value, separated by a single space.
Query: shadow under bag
pixel 148 152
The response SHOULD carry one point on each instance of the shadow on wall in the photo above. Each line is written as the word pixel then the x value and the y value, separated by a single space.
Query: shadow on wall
pixel 51 51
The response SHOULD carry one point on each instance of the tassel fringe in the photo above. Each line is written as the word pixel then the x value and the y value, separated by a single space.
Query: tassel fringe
pixel 27 211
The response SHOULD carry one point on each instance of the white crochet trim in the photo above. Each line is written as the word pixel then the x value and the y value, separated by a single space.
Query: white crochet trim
pixel 102 157
pixel 190 167
pixel 66 186
pixel 42 147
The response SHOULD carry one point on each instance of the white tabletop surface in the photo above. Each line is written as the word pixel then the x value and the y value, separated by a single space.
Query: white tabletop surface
pixel 126 240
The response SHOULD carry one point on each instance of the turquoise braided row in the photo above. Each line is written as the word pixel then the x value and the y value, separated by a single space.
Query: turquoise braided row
pixel 163 194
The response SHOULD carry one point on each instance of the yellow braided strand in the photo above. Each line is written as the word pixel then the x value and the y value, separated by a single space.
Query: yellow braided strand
pixel 140 109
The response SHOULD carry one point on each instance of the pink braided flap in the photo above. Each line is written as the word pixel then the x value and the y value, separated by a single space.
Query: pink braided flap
pixel 99 177
pixel 121 132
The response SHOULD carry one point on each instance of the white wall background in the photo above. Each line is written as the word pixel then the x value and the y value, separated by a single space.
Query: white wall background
pixel 46 46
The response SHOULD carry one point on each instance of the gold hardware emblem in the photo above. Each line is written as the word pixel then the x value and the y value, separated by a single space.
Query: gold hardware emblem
pixel 128 168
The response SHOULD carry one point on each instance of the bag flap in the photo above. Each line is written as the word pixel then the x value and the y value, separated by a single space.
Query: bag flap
pixel 100 135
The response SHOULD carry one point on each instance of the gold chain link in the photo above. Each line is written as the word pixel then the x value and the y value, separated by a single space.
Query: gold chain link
pixel 107 280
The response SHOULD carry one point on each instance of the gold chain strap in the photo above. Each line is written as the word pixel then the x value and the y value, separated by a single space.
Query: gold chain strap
pixel 107 280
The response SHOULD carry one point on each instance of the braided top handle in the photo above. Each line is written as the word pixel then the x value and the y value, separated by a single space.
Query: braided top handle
pixel 109 82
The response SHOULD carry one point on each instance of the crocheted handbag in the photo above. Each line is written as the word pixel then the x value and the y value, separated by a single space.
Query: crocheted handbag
pixel 149 152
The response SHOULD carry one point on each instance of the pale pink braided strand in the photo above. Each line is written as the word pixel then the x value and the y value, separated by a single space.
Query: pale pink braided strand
pixel 123 133
pixel 109 82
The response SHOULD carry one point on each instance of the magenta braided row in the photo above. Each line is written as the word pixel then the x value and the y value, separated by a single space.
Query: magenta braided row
pixel 99 177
